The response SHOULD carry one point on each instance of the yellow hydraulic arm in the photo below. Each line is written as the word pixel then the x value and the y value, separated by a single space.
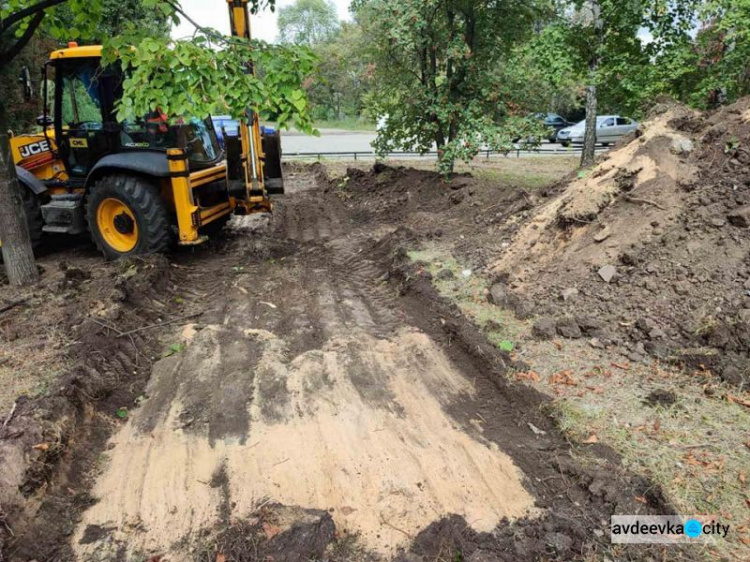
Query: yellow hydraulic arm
pixel 252 147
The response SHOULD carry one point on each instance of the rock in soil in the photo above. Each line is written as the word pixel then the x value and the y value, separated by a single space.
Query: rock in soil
pixel 545 328
pixel 445 274
pixel 607 273
pixel 498 294
pixel 740 217
pixel 661 397
pixel 602 235
pixel 568 328
pixel 568 294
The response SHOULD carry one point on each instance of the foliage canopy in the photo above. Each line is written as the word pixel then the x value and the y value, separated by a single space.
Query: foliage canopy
pixel 434 62
pixel 185 77
pixel 307 22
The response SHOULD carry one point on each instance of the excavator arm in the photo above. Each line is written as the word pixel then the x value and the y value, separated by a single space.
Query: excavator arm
pixel 259 155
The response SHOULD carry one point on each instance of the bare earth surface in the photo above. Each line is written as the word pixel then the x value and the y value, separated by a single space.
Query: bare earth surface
pixel 310 396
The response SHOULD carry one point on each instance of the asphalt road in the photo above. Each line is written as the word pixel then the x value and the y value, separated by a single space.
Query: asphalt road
pixel 334 140
pixel 330 140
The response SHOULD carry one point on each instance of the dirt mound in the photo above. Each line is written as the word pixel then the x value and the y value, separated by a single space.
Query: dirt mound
pixel 654 241
pixel 101 313
pixel 395 193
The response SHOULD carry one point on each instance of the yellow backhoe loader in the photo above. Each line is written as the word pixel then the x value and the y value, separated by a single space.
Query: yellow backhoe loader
pixel 137 187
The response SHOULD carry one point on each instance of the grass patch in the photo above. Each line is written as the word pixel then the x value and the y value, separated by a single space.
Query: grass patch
pixel 349 124
pixel 696 447
pixel 530 181
pixel 469 291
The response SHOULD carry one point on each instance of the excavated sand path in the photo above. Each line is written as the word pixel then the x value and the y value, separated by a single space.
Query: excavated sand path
pixel 321 396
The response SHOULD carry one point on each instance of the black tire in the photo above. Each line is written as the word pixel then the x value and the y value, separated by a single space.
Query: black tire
pixel 33 211
pixel 566 144
pixel 144 202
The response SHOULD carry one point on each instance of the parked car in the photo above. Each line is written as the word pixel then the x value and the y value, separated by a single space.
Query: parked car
pixel 554 122
pixel 609 129
pixel 232 127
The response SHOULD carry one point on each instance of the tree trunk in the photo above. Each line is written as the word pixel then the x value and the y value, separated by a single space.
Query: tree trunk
pixel 14 231
pixel 589 140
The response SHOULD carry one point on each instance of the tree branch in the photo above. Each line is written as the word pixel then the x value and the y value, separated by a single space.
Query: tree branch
pixel 7 56
pixel 26 12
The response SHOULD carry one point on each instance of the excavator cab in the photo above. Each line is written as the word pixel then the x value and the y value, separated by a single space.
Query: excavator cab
pixel 86 129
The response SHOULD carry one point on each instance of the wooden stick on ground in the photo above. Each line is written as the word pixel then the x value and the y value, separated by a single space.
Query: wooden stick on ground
pixel 13 305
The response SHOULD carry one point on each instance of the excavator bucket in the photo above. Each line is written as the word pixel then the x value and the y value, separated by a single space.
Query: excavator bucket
pixel 273 176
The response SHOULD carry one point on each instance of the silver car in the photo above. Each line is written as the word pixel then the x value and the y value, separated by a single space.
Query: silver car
pixel 609 129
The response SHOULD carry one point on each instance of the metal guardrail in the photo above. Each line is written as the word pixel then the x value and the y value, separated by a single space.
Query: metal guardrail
pixel 486 154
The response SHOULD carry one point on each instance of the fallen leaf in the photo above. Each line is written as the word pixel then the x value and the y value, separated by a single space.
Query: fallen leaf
pixel 41 447
pixel 737 400
pixel 641 499
pixel 624 366
pixel 563 377
pixel 528 375
pixel 657 425
pixel 558 344
pixel 591 439
pixel 743 540
pixel 270 304
pixel 742 477
pixel 221 558
pixel 271 530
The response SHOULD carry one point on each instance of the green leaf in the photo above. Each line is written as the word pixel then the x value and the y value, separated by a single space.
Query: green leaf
pixel 122 413
pixel 506 345
pixel 173 349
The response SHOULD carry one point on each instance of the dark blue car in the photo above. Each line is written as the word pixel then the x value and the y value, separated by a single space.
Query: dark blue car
pixel 232 127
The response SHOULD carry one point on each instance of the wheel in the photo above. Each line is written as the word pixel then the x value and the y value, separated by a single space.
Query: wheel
pixel 126 216
pixel 566 144
pixel 33 211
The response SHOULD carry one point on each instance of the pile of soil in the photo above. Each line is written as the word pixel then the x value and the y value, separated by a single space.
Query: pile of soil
pixel 653 242
pixel 49 443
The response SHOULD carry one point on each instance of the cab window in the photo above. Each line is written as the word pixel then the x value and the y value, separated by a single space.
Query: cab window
pixel 623 121
pixel 81 104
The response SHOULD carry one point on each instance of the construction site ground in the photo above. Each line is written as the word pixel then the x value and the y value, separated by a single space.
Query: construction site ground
pixel 358 377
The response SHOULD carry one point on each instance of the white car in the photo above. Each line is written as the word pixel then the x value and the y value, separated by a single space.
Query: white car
pixel 609 129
